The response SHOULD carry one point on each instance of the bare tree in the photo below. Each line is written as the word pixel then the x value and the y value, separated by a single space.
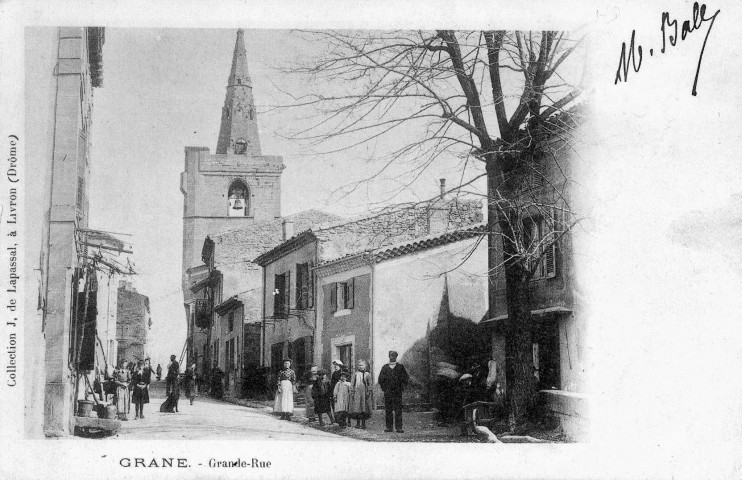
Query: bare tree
pixel 499 104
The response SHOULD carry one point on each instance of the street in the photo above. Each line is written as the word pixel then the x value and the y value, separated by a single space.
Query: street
pixel 210 420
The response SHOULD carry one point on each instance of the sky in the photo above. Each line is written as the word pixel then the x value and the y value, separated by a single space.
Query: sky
pixel 163 90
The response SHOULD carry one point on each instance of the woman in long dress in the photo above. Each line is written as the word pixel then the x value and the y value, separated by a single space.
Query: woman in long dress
pixel 190 382
pixel 122 378
pixel 284 403
pixel 360 395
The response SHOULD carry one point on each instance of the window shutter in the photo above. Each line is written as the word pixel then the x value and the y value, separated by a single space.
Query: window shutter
pixel 310 286
pixel 287 296
pixel 277 294
pixel 550 261
pixel 532 237
pixel 349 297
pixel 333 297
pixel 299 286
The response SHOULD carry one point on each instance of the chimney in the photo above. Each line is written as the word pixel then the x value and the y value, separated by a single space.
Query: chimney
pixel 288 229
pixel 443 188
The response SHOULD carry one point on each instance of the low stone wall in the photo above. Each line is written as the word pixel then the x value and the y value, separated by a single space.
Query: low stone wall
pixel 572 410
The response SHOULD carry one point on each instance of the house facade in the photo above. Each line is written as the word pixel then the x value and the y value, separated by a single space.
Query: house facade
pixel 424 299
pixel 63 67
pixel 291 297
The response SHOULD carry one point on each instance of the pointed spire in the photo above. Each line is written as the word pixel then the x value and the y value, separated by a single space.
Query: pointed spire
pixel 239 74
pixel 239 129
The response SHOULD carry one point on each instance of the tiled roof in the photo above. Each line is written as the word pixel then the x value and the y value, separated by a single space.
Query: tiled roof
pixel 428 242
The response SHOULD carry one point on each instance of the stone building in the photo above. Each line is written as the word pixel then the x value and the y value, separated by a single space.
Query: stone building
pixel 133 320
pixel 63 66
pixel 290 327
pixel 231 214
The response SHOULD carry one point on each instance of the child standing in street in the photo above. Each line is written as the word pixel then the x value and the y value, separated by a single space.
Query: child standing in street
pixel 341 395
pixel 322 397
pixel 311 378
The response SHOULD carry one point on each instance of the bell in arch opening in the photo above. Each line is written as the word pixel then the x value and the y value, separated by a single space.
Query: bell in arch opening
pixel 238 206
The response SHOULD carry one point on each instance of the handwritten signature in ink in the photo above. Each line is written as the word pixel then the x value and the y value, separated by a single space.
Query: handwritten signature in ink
pixel 631 58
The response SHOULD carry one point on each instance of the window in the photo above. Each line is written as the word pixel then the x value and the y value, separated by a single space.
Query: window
pixel 238 200
pixel 304 287
pixel 281 298
pixel 539 241
pixel 230 321
pixel 342 296
pixel 345 352
pixel 230 354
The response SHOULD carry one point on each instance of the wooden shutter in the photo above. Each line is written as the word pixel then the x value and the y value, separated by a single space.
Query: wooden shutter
pixel 334 297
pixel 350 293
pixel 287 296
pixel 550 261
pixel 277 295
pixel 310 285
pixel 549 258
pixel 302 286
pixel 299 286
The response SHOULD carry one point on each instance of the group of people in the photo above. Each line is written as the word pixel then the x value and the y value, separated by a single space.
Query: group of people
pixel 173 383
pixel 132 380
pixel 132 386
pixel 343 396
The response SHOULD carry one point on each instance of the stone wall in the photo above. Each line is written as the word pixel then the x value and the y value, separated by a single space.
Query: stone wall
pixel 395 226
pixel 132 323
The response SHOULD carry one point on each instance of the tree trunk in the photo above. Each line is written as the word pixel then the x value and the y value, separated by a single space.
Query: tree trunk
pixel 519 369
pixel 520 383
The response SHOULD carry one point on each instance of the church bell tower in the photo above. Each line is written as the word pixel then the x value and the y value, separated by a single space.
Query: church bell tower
pixel 237 186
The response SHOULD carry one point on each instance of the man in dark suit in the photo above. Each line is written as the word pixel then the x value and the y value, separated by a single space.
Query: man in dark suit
pixel 392 380
pixel 173 369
